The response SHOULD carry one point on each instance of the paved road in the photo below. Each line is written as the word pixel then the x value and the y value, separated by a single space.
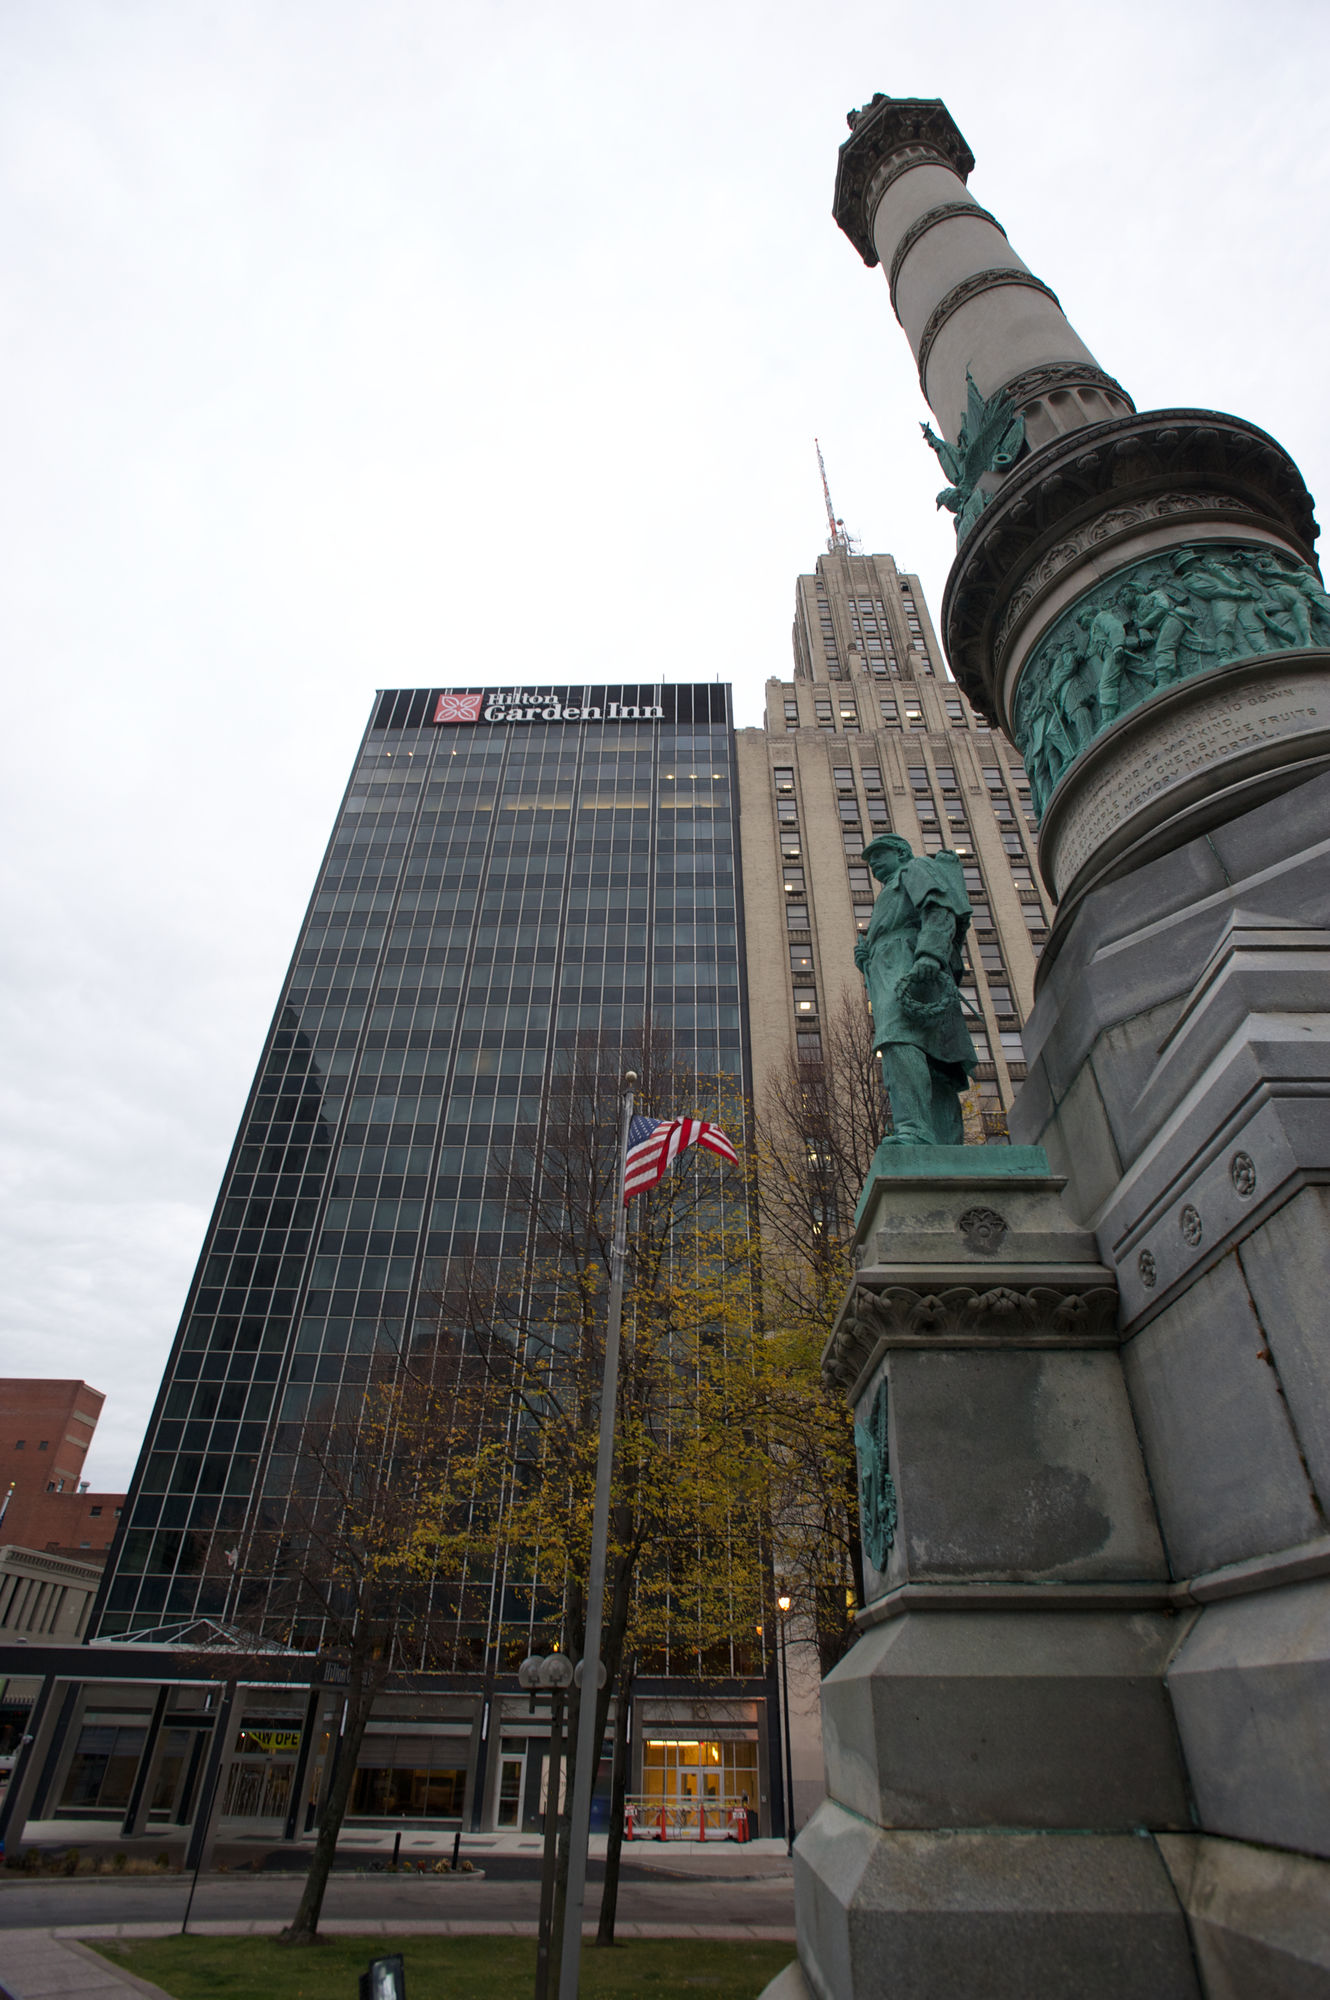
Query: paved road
pixel 645 1897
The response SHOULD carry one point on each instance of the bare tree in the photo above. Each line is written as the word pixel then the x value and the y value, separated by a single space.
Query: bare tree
pixel 817 1128
pixel 337 1567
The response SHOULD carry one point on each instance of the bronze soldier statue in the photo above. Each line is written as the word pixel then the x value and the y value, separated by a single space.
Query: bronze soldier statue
pixel 911 960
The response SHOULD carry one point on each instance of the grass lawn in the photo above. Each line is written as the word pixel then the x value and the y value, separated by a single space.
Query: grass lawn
pixel 439 1968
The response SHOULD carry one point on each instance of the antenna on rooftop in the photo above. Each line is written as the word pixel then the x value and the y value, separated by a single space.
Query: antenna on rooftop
pixel 838 542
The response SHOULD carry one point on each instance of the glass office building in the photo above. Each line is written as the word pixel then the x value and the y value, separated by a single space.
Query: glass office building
pixel 511 870
pixel 508 870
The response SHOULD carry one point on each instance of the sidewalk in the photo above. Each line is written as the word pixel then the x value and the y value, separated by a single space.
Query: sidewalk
pixel 750 1857
pixel 46 1965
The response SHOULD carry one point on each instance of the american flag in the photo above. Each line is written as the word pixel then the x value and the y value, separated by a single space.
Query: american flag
pixel 653 1143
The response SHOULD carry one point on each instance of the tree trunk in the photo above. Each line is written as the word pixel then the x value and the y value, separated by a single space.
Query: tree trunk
pixel 304 1926
pixel 609 1899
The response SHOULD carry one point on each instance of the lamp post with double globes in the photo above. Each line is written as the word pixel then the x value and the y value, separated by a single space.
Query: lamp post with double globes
pixel 783 1602
pixel 553 1674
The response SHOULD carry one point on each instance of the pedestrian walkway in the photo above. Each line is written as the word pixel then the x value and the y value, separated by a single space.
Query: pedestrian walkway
pixel 49 1965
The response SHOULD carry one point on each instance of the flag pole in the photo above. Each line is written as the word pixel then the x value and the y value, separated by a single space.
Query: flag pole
pixel 588 1750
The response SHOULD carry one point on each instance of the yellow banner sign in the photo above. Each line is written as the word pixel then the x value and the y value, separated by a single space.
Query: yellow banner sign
pixel 269 1739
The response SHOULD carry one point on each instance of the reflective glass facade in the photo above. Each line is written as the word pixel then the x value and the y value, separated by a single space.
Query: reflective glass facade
pixel 550 864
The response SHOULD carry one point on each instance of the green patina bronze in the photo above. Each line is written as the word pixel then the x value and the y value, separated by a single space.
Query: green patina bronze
pixel 877 1488
pixel 911 959
pixel 991 437
pixel 1153 624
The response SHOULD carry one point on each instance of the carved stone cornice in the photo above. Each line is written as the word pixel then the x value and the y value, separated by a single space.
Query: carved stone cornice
pixel 1096 533
pixel 879 133
pixel 960 295
pixel 1033 383
pixel 967 1316
pixel 946 211
pixel 1052 503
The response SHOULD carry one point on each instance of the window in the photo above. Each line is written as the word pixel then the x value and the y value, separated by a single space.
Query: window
pixel 784 777
pixel 801 958
pixel 891 714
pixel 21 1444
pixel 44 1443
pixel 861 883
pixel 914 715
pixel 792 714
pixel 790 847
pixel 1034 918
pixel 955 713
pixel 849 715
pixel 805 1001
pixel 849 811
pixel 796 916
pixel 794 881
pixel 844 779
pixel 877 812
pixel 787 811
pixel 872 778
pixel 809 1045
pixel 1011 1045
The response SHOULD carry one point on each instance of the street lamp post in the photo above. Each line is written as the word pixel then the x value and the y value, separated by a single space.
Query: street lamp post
pixel 783 1606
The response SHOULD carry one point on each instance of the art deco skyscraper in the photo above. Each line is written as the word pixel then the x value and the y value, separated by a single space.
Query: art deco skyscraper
pixel 870 735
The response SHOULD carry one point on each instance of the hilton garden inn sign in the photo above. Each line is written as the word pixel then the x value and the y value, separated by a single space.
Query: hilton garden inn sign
pixel 517 705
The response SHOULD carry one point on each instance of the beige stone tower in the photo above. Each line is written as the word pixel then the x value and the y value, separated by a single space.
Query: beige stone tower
pixel 870 735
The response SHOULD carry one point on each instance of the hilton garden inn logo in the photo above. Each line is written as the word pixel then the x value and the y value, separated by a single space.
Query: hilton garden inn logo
pixel 518 705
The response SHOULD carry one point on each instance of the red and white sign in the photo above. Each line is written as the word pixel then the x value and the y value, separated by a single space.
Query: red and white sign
pixel 459 708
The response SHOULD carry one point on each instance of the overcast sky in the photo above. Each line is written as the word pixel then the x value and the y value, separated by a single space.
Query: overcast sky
pixel 360 345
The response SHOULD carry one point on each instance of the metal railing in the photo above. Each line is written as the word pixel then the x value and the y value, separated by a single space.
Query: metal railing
pixel 647 1818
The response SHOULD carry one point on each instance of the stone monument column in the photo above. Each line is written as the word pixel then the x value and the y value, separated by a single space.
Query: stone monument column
pixel 1135 602
pixel 965 299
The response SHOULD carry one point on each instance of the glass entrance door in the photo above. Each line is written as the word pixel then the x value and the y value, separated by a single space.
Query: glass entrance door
pixel 691 1786
pixel 512 1775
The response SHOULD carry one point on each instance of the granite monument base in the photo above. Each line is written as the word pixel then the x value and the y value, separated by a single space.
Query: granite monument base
pixel 1000 1746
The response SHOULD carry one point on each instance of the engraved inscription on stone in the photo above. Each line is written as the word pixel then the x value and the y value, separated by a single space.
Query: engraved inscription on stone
pixel 1242 1173
pixel 1189 1222
pixel 1176 746
pixel 1148 1269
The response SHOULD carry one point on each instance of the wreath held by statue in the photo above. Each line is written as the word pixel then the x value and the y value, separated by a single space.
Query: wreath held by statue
pixel 926 994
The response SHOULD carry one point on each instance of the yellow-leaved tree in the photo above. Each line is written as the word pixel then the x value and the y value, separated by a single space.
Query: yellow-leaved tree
pixel 688 1572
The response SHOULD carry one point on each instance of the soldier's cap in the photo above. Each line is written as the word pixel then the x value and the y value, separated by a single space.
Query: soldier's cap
pixel 888 846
